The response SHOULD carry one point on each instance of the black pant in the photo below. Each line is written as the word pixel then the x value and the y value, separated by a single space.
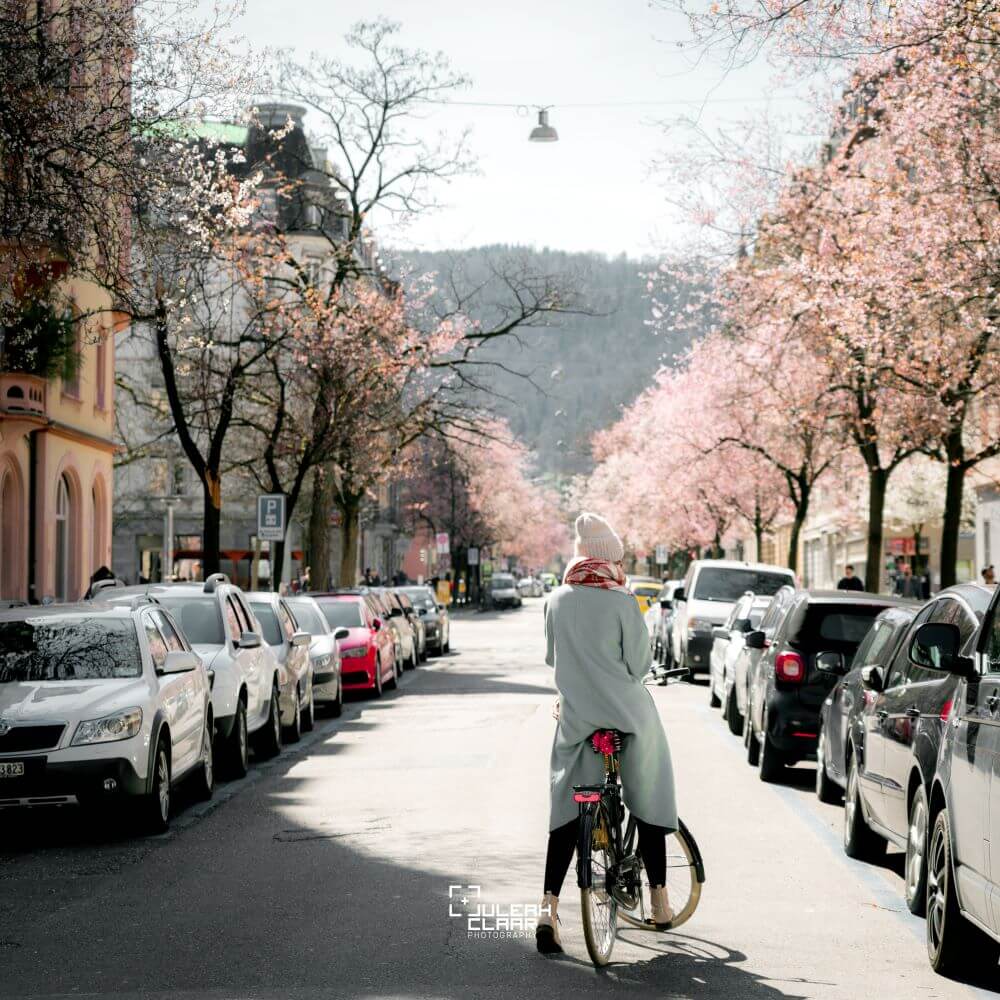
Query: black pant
pixel 563 841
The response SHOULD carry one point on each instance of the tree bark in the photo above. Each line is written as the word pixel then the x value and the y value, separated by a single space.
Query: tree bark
pixel 801 512
pixel 758 529
pixel 319 530
pixel 211 538
pixel 878 479
pixel 350 531
pixel 951 523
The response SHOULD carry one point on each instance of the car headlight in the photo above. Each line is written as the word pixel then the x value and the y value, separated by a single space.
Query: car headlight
pixel 120 726
pixel 322 662
pixel 698 624
pixel 354 654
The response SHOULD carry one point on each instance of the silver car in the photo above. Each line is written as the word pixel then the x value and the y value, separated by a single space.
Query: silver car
pixel 437 625
pixel 290 645
pixel 324 650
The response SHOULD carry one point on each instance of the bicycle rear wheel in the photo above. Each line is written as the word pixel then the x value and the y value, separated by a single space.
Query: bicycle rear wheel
pixel 599 909
pixel 684 877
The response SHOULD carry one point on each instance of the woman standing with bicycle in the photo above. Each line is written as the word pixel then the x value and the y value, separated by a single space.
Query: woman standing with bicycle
pixel 597 642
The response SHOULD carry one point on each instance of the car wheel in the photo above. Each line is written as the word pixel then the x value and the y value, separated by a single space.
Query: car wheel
pixel 205 774
pixel 414 659
pixel 293 733
pixel 446 648
pixel 915 884
pixel 396 671
pixel 335 708
pixel 235 750
pixel 269 741
pixel 860 841
pixel 713 698
pixel 733 717
pixel 771 760
pixel 309 715
pixel 826 790
pixel 954 945
pixel 379 688
pixel 154 806
pixel 750 740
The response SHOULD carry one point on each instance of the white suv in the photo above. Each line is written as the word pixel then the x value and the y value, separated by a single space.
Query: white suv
pixel 101 701
pixel 219 624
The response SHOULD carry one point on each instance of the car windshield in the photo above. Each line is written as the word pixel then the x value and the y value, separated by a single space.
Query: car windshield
pixel 198 617
pixel 342 614
pixel 420 598
pixel 68 649
pixel 502 582
pixel 646 589
pixel 268 623
pixel 716 583
pixel 848 627
pixel 308 618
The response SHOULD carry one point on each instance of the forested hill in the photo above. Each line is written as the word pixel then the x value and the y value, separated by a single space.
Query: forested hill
pixel 586 367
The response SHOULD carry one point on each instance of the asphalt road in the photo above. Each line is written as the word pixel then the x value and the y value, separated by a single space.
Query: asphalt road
pixel 326 873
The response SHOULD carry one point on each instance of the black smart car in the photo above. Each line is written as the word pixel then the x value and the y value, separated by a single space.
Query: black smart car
pixel 844 702
pixel 895 738
pixel 812 647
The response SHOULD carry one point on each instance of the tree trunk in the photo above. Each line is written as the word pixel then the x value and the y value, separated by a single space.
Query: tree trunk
pixel 951 524
pixel 758 529
pixel 277 561
pixel 319 530
pixel 211 530
pixel 350 531
pixel 801 510
pixel 878 479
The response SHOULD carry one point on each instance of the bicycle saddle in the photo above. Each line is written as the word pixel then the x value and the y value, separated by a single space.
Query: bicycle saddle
pixel 606 741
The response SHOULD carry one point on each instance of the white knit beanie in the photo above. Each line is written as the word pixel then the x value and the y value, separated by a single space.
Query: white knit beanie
pixel 595 538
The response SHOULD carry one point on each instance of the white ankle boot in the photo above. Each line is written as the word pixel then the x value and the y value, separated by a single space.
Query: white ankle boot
pixel 547 930
pixel 662 914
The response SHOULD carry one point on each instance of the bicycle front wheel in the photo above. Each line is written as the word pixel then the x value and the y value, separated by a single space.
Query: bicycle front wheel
pixel 599 909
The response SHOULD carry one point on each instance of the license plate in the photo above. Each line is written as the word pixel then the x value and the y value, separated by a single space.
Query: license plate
pixel 14 769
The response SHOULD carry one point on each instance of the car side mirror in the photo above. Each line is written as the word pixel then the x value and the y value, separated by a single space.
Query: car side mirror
pixel 665 605
pixel 179 661
pixel 395 612
pixel 756 640
pixel 680 595
pixel 342 633
pixel 831 663
pixel 720 633
pixel 935 646
pixel 300 639
pixel 249 640
pixel 376 624
pixel 871 677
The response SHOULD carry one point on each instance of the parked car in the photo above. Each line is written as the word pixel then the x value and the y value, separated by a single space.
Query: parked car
pixel 963 802
pixel 368 651
pixel 729 640
pixel 646 590
pixel 217 621
pixel 416 623
pixel 100 703
pixel 746 661
pixel 503 592
pixel 711 588
pixel 290 645
pixel 549 581
pixel 812 647
pixel 434 616
pixel 663 621
pixel 324 651
pixel 393 616
pixel 841 710
pixel 895 739
pixel 530 586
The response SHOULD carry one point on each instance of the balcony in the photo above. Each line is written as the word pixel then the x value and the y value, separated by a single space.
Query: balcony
pixel 22 395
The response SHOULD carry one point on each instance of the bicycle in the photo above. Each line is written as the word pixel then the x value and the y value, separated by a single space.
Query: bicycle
pixel 610 871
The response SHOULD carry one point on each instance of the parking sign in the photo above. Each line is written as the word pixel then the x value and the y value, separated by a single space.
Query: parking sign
pixel 271 517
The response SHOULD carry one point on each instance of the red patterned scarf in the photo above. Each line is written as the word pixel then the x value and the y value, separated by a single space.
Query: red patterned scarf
pixel 587 572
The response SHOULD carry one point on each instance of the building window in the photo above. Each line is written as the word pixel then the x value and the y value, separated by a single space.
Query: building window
pixel 180 475
pixel 101 381
pixel 11 529
pixel 64 539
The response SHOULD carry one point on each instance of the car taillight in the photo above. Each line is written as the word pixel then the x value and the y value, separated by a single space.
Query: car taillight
pixel 789 667
pixel 946 710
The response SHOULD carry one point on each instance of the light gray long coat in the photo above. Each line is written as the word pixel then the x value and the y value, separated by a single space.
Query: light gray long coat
pixel 597 641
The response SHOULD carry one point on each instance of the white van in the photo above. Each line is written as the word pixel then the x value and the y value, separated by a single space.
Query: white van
pixel 711 588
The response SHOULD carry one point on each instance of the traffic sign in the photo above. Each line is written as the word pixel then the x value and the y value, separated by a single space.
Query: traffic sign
pixel 442 543
pixel 661 555
pixel 473 559
pixel 271 517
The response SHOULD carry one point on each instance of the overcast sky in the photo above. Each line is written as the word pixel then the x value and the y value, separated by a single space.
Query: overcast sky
pixel 592 190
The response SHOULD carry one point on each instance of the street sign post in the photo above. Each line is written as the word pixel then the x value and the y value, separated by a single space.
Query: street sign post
pixel 473 559
pixel 661 555
pixel 442 543
pixel 271 517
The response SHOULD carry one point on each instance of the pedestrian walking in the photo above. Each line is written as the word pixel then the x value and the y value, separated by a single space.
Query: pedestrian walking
pixel 989 576
pixel 849 581
pixel 907 585
pixel 596 640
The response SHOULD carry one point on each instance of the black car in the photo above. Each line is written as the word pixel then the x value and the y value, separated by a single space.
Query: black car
pixel 844 702
pixel 812 647
pixel 963 827
pixel 895 741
